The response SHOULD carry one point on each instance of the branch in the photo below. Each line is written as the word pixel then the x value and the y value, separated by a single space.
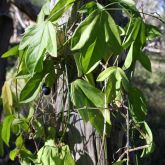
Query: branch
pixel 132 150
pixel 27 7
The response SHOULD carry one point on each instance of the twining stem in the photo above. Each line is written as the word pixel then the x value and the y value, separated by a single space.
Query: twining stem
pixel 127 145
pixel 103 145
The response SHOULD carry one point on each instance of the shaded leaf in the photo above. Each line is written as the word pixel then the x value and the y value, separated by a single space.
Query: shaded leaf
pixel 149 140
pixel 137 104
pixel 31 89
pixel 1 143
pixel 5 134
pixel 145 61
pixel 90 97
pixel 120 162
pixel 152 32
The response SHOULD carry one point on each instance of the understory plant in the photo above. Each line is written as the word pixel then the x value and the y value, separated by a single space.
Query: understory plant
pixel 89 62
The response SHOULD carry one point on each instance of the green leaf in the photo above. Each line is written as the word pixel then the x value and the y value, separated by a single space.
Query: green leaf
pixel 1 143
pixel 5 134
pixel 145 61
pixel 52 43
pixel 36 49
pixel 149 140
pixel 152 32
pixel 133 32
pixel 106 73
pixel 129 6
pixel 83 32
pixel 116 77
pixel 31 89
pixel 69 159
pixel 128 2
pixel 90 97
pixel 7 98
pixel 129 58
pixel 92 93
pixel 19 142
pixel 13 153
pixel 137 105
pixel 120 162
pixel 60 8
pixel 88 8
pixel 43 12
pixel 11 52
pixel 54 154
pixel 143 33
pixel 38 40
pixel 96 47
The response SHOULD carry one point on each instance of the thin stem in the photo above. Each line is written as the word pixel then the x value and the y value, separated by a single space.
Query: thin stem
pixel 127 145
pixel 151 15
pixel 103 145
pixel 113 3
pixel 133 150
pixel 68 99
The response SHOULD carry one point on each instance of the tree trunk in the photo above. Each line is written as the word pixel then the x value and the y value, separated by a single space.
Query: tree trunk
pixel 6 31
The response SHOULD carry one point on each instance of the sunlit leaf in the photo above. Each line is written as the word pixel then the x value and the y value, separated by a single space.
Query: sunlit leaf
pixel 53 154
pixel 106 73
pixel 11 52
pixel 83 32
pixel 59 9
pixel 13 153
pixel 129 58
pixel 96 47
pixel 19 141
pixel 7 98
pixel 52 45
pixel 133 32
pixel 38 40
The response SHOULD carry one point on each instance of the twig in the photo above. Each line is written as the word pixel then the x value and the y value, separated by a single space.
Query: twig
pixel 132 150
pixel 151 15
pixel 127 145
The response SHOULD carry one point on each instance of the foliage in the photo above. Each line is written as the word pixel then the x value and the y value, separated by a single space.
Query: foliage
pixel 98 46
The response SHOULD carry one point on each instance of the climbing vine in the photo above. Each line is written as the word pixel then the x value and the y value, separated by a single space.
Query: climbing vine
pixel 105 55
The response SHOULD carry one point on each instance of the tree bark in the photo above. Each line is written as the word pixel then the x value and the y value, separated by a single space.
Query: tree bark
pixel 27 7
pixel 6 31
